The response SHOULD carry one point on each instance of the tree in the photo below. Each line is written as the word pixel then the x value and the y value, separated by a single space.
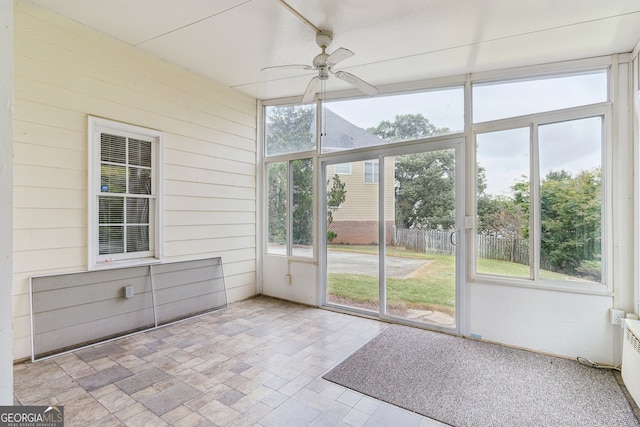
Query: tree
pixel 570 221
pixel 521 196
pixel 425 193
pixel 336 195
pixel 424 182
pixel 302 202
pixel 570 210
pixel 277 203
pixel 406 126
pixel 289 129
pixel 500 217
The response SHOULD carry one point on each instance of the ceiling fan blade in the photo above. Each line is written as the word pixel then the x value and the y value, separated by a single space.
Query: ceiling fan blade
pixel 311 90
pixel 338 55
pixel 357 82
pixel 299 66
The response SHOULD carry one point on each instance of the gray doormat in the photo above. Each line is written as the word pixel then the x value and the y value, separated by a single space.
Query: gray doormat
pixel 464 382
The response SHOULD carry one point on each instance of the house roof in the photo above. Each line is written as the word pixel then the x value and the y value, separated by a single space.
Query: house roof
pixel 341 134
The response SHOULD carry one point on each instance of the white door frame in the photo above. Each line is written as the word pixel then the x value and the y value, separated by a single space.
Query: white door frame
pixel 458 144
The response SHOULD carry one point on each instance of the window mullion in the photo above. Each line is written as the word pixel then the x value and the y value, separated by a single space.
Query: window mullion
pixel 126 165
pixel 534 204
pixel 289 225
pixel 127 191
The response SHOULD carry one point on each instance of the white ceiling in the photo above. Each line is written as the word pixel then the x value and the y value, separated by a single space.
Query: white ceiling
pixel 395 41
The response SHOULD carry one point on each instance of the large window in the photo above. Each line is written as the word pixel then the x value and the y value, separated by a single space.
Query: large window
pixel 503 161
pixel 290 207
pixel 289 137
pixel 570 183
pixel 539 146
pixel 123 191
pixel 539 185
pixel 369 122
pixel 499 100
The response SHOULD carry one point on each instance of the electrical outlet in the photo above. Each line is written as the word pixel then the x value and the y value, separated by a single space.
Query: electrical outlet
pixel 128 291
pixel 616 316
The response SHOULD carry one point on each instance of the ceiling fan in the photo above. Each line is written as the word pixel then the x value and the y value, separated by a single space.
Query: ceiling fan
pixel 324 63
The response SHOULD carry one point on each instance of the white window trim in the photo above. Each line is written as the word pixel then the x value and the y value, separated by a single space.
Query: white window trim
pixel 96 126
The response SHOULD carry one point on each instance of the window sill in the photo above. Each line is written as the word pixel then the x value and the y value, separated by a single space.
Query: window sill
pixel 137 262
pixel 544 285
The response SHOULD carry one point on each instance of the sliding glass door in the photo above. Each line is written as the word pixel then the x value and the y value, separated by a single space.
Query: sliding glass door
pixel 394 235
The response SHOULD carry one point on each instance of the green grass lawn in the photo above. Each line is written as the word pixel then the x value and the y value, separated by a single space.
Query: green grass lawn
pixel 431 287
pixel 511 269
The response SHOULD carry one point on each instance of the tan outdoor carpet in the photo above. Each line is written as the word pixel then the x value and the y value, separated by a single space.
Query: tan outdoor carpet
pixel 464 382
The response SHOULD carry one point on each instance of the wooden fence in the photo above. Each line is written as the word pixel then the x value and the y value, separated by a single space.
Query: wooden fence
pixel 513 250
pixel 441 242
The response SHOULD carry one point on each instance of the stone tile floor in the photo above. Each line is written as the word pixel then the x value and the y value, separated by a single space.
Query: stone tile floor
pixel 258 363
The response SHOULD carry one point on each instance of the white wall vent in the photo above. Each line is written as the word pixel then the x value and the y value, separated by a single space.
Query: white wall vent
pixel 631 358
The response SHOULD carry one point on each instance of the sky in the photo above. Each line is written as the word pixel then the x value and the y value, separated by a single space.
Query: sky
pixel 571 146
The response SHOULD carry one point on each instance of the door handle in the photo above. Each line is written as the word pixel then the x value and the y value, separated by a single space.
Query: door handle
pixel 452 239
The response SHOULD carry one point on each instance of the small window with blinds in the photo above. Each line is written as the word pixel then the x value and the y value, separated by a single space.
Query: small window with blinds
pixel 124 203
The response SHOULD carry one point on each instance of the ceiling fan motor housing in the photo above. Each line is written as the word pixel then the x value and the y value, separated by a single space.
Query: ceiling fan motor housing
pixel 323 39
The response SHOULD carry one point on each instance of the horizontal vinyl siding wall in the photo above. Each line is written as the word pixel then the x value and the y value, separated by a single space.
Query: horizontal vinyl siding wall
pixel 65 72
pixel 362 198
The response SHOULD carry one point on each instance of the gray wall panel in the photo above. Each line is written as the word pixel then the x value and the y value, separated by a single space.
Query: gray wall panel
pixel 75 335
pixel 90 311
pixel 189 287
pixel 69 296
pixel 70 310
pixel 190 306
pixel 169 278
pixel 59 281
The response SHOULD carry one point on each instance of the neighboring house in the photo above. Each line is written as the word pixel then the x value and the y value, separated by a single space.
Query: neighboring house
pixel 355 222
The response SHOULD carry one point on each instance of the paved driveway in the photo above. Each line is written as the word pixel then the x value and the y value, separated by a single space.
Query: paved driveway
pixel 356 263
